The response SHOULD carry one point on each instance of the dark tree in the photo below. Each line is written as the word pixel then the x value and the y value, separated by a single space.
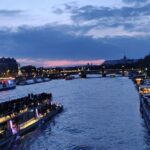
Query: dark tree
pixel 28 70
pixel 8 67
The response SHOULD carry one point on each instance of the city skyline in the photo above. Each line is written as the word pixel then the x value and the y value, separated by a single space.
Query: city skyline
pixel 50 33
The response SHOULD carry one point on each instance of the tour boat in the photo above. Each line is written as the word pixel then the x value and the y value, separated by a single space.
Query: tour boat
pixel 20 116
pixel 7 83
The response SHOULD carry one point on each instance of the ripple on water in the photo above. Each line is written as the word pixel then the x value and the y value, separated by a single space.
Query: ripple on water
pixel 72 130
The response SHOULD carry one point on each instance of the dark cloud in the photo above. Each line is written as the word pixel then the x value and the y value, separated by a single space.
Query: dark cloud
pixel 91 12
pixel 55 42
pixel 133 47
pixel 58 11
pixel 127 17
pixel 135 1
pixel 10 12
pixel 52 43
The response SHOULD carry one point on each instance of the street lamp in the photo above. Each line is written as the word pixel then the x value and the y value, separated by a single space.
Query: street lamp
pixel 146 72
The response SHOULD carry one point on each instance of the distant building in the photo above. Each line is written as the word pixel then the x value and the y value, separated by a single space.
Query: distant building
pixel 122 61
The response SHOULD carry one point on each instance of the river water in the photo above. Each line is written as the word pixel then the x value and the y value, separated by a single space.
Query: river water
pixel 99 114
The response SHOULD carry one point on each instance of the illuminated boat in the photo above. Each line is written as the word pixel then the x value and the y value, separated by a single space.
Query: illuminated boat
pixel 144 89
pixel 7 83
pixel 138 80
pixel 20 116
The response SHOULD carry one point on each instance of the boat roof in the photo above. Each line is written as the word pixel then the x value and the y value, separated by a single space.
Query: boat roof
pixel 10 78
pixel 19 99
pixel 29 99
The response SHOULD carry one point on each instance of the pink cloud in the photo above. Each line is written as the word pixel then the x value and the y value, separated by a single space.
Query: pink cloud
pixel 71 63
pixel 56 63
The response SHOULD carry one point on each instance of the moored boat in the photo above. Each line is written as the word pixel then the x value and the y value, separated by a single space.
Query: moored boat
pixel 7 83
pixel 38 80
pixel 46 79
pixel 138 80
pixel 112 75
pixel 29 81
pixel 20 116
pixel 82 75
pixel 145 109
pixel 69 77
pixel 144 89
pixel 26 82
pixel 33 81
pixel 146 82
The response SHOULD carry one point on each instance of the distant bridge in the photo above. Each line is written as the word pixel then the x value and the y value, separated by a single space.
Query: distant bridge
pixel 102 71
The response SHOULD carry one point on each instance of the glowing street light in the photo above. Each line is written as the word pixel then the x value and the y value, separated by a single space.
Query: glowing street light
pixel 146 72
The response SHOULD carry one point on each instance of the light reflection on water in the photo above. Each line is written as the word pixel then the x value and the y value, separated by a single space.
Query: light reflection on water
pixel 99 114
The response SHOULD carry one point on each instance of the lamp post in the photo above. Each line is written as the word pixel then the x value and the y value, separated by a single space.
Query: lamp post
pixel 146 72
pixel 103 71
pixel 123 71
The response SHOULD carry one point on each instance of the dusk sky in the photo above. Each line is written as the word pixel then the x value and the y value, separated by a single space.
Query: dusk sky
pixel 65 32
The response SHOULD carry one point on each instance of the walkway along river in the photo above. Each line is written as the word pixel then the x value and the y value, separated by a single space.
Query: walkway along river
pixel 100 114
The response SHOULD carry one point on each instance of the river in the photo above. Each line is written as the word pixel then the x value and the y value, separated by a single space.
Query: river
pixel 99 114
